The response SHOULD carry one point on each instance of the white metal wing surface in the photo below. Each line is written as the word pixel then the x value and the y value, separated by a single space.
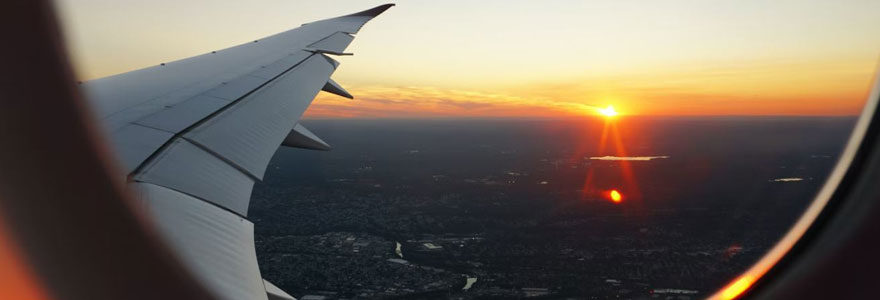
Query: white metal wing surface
pixel 194 135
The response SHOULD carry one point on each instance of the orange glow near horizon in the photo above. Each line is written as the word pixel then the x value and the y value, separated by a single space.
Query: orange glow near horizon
pixel 670 58
pixel 814 98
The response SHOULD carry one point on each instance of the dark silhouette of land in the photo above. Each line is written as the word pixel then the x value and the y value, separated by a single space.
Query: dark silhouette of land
pixel 517 207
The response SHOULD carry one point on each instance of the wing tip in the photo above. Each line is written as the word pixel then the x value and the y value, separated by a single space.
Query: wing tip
pixel 373 12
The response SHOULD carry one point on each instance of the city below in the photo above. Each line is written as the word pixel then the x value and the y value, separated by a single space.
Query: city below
pixel 634 208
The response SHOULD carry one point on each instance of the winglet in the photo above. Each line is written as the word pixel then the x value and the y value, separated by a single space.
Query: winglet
pixel 336 89
pixel 375 11
pixel 301 137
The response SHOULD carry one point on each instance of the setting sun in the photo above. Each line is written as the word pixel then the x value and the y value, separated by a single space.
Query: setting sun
pixel 608 111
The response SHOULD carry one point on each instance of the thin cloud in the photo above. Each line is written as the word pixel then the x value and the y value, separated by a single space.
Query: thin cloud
pixel 628 158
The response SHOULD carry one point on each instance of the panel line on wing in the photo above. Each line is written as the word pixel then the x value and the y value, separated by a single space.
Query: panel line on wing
pixel 194 133
pixel 251 132
pixel 191 195
pixel 205 119
pixel 152 127
pixel 328 37
pixel 221 157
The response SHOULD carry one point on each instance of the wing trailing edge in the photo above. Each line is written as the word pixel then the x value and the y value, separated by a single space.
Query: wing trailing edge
pixel 194 135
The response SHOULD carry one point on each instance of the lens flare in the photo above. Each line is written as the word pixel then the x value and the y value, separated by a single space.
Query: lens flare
pixel 615 196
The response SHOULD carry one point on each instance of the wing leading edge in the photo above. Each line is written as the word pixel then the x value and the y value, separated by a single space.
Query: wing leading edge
pixel 194 135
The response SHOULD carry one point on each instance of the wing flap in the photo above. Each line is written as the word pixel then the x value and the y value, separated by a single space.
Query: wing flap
pixel 249 133
pixel 277 68
pixel 176 118
pixel 237 88
pixel 135 143
pixel 336 42
pixel 195 134
pixel 186 168
pixel 217 245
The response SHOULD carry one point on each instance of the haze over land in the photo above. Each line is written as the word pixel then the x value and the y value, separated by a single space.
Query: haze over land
pixel 519 205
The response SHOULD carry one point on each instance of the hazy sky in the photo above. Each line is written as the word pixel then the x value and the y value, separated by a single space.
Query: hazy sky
pixel 528 58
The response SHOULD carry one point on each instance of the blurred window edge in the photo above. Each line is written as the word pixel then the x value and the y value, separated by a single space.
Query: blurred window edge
pixel 824 208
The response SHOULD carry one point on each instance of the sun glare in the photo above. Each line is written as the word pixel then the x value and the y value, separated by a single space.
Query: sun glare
pixel 608 111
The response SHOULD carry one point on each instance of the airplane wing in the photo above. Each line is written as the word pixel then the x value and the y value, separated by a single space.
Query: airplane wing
pixel 194 135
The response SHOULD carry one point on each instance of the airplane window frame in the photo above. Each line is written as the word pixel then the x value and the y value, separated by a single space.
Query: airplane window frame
pixel 847 192
pixel 773 274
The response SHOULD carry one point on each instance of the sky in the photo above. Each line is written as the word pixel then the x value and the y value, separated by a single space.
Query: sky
pixel 513 58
